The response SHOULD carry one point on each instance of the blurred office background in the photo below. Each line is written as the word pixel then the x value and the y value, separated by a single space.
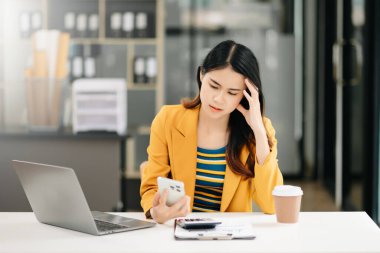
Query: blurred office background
pixel 319 63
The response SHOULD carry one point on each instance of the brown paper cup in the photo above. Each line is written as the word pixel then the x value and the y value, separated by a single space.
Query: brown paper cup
pixel 287 203
pixel 287 208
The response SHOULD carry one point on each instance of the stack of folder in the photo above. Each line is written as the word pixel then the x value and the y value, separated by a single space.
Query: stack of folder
pixel 45 79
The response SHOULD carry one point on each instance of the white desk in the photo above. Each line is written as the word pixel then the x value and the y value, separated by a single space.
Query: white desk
pixel 315 232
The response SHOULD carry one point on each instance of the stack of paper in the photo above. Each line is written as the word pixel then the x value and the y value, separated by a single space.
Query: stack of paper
pixel 224 231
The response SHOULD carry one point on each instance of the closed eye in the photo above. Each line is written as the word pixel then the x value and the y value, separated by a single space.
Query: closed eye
pixel 213 86
pixel 217 87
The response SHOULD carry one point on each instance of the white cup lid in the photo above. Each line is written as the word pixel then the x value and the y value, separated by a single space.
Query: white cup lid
pixel 287 190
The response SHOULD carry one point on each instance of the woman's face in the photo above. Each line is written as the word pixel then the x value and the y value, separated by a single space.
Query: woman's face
pixel 221 91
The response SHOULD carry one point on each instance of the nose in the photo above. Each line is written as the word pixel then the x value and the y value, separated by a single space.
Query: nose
pixel 219 97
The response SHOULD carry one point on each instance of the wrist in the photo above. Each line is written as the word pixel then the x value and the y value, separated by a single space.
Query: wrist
pixel 259 131
pixel 261 137
pixel 159 217
pixel 256 124
pixel 152 214
pixel 148 214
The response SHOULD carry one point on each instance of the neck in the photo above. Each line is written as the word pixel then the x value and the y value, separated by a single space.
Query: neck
pixel 212 124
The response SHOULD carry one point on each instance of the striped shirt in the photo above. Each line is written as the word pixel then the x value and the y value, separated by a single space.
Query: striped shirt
pixel 209 180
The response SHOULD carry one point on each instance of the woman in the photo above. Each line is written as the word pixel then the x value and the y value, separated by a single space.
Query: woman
pixel 219 144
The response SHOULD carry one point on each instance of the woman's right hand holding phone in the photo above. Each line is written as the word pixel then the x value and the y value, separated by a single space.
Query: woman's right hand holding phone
pixel 161 212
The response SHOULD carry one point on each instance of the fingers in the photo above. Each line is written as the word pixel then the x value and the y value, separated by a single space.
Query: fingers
pixel 181 208
pixel 162 213
pixel 252 88
pixel 164 197
pixel 254 97
pixel 248 97
pixel 180 203
pixel 185 208
pixel 156 199
pixel 241 109
pixel 188 203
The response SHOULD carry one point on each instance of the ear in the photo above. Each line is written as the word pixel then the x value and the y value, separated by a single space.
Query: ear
pixel 201 73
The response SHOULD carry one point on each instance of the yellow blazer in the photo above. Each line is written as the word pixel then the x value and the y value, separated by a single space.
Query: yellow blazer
pixel 172 152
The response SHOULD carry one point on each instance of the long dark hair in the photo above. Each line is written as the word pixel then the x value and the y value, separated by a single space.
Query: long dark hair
pixel 243 61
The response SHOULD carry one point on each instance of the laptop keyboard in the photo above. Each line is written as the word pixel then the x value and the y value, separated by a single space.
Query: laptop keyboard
pixel 106 226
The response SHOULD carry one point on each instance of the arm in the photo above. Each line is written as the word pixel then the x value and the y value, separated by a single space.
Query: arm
pixel 262 146
pixel 158 164
pixel 267 173
pixel 255 121
pixel 158 161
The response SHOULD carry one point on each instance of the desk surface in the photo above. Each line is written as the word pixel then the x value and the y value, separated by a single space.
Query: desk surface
pixel 315 232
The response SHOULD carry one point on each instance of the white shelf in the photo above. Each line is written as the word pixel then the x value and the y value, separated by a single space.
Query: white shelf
pixel 94 97
pixel 115 41
pixel 142 86
pixel 92 112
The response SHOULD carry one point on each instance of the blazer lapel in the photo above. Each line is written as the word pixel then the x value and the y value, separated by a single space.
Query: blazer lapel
pixel 184 143
pixel 231 182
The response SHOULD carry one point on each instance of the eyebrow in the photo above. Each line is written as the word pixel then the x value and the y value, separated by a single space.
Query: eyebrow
pixel 232 89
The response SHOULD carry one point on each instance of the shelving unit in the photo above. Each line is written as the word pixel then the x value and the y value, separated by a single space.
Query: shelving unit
pixel 115 57
pixel 1 71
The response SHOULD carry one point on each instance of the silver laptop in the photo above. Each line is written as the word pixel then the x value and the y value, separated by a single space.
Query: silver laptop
pixel 56 198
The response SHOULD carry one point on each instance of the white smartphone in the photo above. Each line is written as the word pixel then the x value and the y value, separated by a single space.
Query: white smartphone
pixel 176 189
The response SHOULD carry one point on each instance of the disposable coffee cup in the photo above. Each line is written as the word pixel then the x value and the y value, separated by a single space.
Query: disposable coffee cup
pixel 287 202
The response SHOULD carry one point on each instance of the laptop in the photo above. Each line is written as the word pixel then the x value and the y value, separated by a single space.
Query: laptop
pixel 57 199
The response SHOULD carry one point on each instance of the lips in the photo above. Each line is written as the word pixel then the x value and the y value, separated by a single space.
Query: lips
pixel 215 108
